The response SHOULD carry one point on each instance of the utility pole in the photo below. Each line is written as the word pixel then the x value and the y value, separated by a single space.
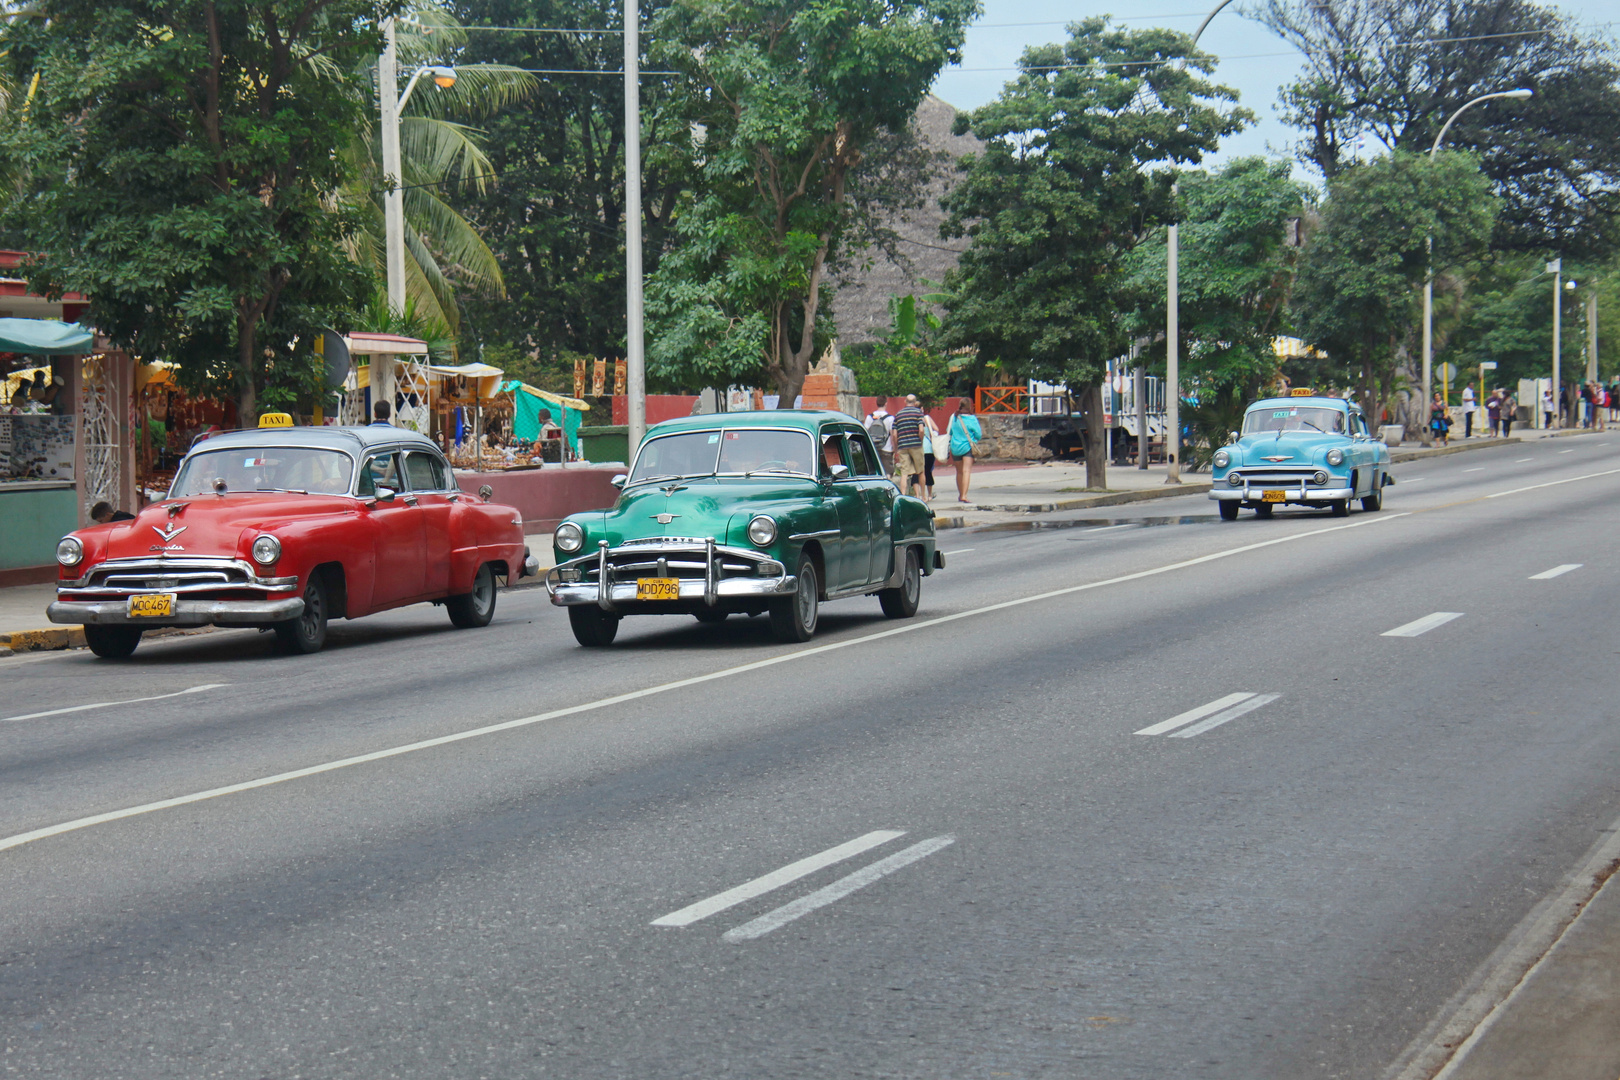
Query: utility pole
pixel 1172 361
pixel 635 355
pixel 1556 269
pixel 393 198
pixel 1139 391
pixel 1591 333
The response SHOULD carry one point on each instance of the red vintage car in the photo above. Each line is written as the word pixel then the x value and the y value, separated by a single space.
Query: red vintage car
pixel 285 528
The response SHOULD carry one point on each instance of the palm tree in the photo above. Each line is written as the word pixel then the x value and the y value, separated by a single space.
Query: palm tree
pixel 442 249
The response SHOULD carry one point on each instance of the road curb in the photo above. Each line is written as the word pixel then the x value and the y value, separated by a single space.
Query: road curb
pixel 1399 457
pixel 55 637
pixel 1102 498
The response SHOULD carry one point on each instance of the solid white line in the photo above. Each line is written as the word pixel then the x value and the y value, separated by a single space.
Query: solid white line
pixel 1556 571
pixel 1423 625
pixel 1105 528
pixel 839 889
pixel 1230 714
pixel 19 839
pixel 1480 468
pixel 1555 483
pixel 959 551
pixel 1193 714
pixel 111 704
pixel 776 879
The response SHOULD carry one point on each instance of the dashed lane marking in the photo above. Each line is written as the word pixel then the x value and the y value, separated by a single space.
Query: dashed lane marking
pixel 774 920
pixel 1199 713
pixel 1423 625
pixel 776 879
pixel 1480 468
pixel 110 704
pixel 1521 461
pixel 1554 483
pixel 1571 450
pixel 1225 715
pixel 959 551
pixel 1105 528
pixel 1557 571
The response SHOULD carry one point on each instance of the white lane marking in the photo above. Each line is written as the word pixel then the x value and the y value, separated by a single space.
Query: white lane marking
pixel 773 920
pixel 19 839
pixel 776 879
pixel 1193 714
pixel 1414 480
pixel 1423 625
pixel 1480 468
pixel 1556 571
pixel 1222 717
pixel 1105 528
pixel 1555 483
pixel 111 704
pixel 959 551
pixel 1521 461
pixel 1571 450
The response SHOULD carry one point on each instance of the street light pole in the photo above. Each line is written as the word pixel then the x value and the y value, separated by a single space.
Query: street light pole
pixel 393 198
pixel 1556 269
pixel 635 357
pixel 1428 275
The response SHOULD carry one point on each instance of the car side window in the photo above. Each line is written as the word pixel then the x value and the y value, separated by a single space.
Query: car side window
pixel 425 471
pixel 380 470
pixel 863 459
pixel 832 450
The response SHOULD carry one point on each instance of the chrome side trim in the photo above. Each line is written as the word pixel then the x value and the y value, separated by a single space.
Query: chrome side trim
pixel 822 535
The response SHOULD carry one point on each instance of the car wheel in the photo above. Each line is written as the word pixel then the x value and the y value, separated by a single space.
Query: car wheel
pixel 1264 509
pixel 1375 497
pixel 592 626
pixel 112 642
pixel 307 633
pixel 477 607
pixel 793 618
pixel 1229 509
pixel 711 616
pixel 1341 507
pixel 901 602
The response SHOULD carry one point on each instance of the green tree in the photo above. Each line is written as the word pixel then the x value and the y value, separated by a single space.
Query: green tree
pixel 909 359
pixel 1238 255
pixel 1065 189
pixel 1397 69
pixel 1358 295
pixel 785 99
pixel 182 175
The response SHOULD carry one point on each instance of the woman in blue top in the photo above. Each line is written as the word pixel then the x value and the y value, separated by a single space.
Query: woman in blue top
pixel 964 431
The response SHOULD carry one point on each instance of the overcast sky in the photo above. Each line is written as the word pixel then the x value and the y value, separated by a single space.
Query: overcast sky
pixel 1254 61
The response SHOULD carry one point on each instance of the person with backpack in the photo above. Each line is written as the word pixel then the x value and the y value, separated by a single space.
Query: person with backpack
pixel 877 429
pixel 965 433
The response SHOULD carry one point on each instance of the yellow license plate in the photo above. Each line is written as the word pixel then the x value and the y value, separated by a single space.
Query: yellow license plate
pixel 658 588
pixel 1274 496
pixel 151 606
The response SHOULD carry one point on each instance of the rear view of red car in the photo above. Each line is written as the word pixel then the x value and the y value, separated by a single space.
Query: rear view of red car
pixel 287 528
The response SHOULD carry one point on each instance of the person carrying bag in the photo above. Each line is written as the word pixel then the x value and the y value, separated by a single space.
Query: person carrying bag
pixel 964 434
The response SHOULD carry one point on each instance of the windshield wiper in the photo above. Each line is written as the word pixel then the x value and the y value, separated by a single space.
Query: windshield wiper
pixel 293 491
pixel 773 469
pixel 659 479
pixel 1307 423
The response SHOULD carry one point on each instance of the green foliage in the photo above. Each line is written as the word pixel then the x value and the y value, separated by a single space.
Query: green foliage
pixel 1508 318
pixel 787 97
pixel 1236 269
pixel 1553 160
pixel 1067 188
pixel 907 361
pixel 1359 290
pixel 180 173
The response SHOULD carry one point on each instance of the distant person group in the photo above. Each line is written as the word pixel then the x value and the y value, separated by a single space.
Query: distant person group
pixel 910 443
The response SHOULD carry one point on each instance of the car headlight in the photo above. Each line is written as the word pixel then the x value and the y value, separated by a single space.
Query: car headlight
pixel 1319 478
pixel 1222 459
pixel 266 550
pixel 1235 479
pixel 569 537
pixel 1335 456
pixel 69 552
pixel 762 531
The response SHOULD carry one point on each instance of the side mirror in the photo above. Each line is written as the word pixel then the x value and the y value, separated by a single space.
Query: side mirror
pixel 1231 437
pixel 386 494
pixel 618 481
pixel 486 492
pixel 840 472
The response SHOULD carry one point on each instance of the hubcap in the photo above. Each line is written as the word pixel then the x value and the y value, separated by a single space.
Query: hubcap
pixel 913 577
pixel 484 592
pixel 807 599
pixel 312 612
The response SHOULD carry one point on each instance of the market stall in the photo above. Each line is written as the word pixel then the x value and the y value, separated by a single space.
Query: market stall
pixel 566 412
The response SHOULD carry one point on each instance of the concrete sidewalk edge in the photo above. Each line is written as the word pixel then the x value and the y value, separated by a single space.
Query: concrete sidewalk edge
pixel 1101 498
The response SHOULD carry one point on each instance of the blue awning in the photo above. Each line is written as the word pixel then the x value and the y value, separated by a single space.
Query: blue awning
pixel 44 337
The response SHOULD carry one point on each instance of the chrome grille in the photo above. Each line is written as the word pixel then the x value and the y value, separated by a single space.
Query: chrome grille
pixel 1283 475
pixel 642 560
pixel 125 576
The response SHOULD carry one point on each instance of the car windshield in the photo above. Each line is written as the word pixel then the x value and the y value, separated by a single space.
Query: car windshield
pixel 264 468
pixel 1293 418
pixel 735 452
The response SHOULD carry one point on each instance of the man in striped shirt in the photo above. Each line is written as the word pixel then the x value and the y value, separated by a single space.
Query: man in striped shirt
pixel 908 446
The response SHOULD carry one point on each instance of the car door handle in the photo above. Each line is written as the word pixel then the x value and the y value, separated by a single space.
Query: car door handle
pixel 409 500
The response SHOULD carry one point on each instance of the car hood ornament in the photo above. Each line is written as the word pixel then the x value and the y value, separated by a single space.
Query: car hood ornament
pixel 665 519
pixel 168 535
pixel 1280 457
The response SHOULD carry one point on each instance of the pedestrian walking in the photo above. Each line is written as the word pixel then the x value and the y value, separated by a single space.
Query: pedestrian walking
pixel 1548 406
pixel 965 433
pixel 1469 407
pixel 1510 410
pixel 877 428
pixel 1493 411
pixel 908 445
pixel 931 449
pixel 1600 406
pixel 1439 420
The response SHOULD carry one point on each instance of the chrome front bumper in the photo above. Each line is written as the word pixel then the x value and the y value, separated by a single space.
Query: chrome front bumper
pixel 186 612
pixel 709 590
pixel 1291 494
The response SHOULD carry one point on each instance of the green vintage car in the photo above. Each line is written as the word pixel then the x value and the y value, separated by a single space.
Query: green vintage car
pixel 745 513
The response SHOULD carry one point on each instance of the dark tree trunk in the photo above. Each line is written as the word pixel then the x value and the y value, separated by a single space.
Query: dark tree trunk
pixel 1095 438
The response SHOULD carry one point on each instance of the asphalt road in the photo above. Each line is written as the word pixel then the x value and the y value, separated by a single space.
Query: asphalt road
pixel 1281 886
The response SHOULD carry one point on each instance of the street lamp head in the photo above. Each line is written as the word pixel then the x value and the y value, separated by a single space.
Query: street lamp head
pixel 1520 94
pixel 1569 286
pixel 443 77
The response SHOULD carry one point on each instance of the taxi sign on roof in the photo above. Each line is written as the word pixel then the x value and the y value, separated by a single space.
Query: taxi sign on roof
pixel 275 420
pixel 1302 391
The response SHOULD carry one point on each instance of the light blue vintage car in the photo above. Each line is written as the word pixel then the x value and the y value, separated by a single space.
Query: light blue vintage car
pixel 1314 451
